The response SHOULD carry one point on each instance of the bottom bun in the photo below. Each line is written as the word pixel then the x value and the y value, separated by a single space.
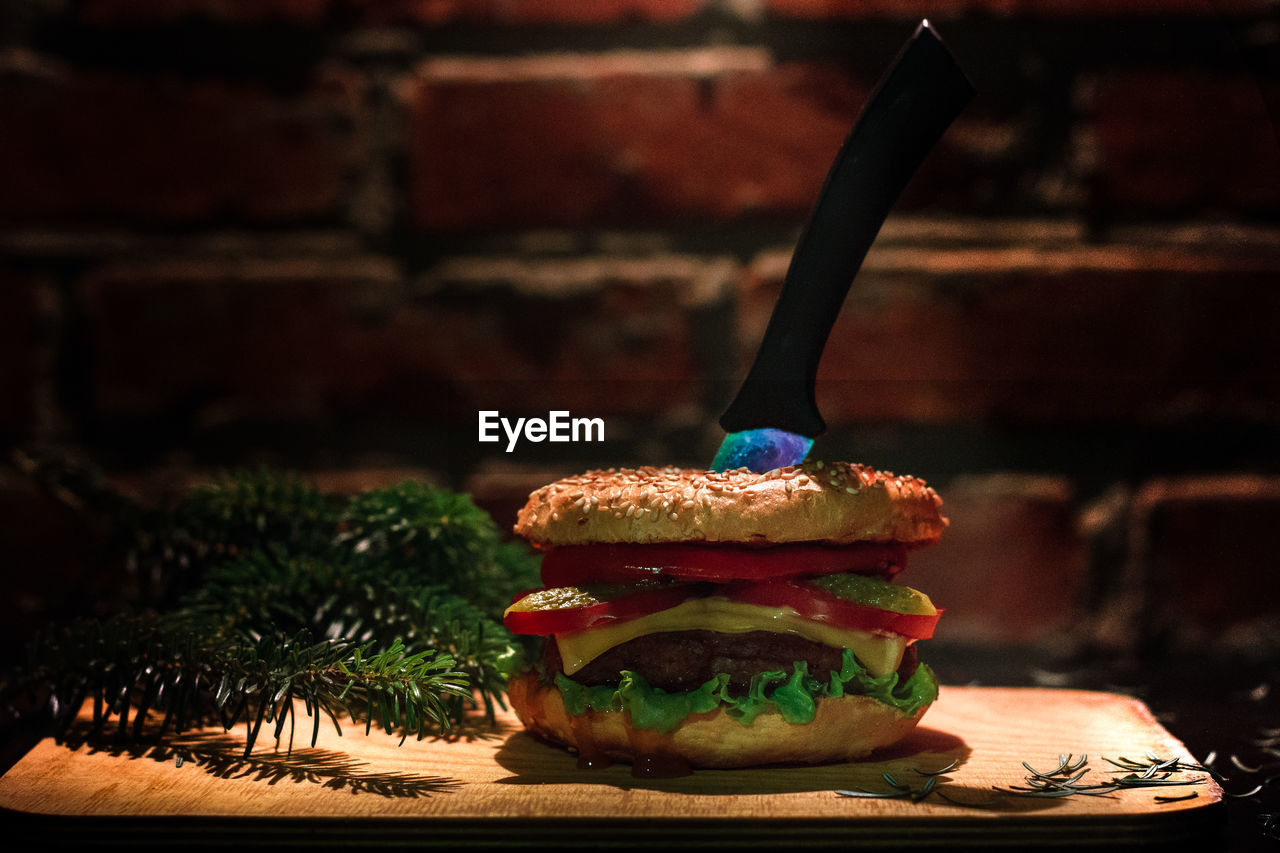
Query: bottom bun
pixel 845 728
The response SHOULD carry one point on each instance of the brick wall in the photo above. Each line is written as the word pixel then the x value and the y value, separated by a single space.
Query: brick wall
pixel 324 233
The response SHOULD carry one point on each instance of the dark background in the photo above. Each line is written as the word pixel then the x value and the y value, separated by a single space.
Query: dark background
pixel 323 234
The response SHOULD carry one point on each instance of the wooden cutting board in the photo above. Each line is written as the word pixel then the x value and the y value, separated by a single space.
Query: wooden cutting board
pixel 499 783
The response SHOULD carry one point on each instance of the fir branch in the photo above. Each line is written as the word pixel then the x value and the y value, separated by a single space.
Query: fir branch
pixel 403 587
pixel 237 513
pixel 243 510
pixel 439 538
pixel 390 685
pixel 188 674
pixel 262 592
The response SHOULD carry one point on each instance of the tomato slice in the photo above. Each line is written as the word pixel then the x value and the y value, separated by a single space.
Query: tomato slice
pixel 562 610
pixel 821 606
pixel 570 565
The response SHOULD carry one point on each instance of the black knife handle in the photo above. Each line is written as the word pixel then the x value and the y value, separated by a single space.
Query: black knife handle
pixel 910 108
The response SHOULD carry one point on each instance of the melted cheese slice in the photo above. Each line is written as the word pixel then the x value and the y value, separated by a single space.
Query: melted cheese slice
pixel 881 655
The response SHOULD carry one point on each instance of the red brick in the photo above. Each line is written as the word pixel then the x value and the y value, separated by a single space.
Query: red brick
pixel 916 9
pixel 165 485
pixel 828 9
pixel 236 11
pixel 280 337
pixel 97 145
pixel 310 338
pixel 622 137
pixel 526 11
pixel 1210 563
pixel 52 558
pixel 626 138
pixel 502 488
pixel 353 481
pixel 24 337
pixel 1044 333
pixel 595 12
pixel 593 335
pixel 1183 142
pixel 1010 568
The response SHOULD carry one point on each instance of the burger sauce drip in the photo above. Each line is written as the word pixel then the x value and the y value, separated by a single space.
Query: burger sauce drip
pixel 589 755
pixel 650 762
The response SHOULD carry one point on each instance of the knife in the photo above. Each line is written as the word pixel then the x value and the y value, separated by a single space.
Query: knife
pixel 774 419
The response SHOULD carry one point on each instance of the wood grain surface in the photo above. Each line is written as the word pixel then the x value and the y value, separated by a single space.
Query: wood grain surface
pixel 500 777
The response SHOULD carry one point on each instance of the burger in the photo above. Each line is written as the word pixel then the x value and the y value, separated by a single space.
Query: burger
pixel 726 619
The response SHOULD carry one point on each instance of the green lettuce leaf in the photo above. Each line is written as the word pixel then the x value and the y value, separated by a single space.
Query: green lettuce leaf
pixel 794 697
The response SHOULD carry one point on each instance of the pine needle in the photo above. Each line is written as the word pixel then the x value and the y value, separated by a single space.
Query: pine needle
pixel 257 591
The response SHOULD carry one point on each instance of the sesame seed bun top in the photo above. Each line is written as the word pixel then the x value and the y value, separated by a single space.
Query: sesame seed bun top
pixel 834 503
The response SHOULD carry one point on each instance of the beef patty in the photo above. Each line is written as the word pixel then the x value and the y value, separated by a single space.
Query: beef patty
pixel 685 660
